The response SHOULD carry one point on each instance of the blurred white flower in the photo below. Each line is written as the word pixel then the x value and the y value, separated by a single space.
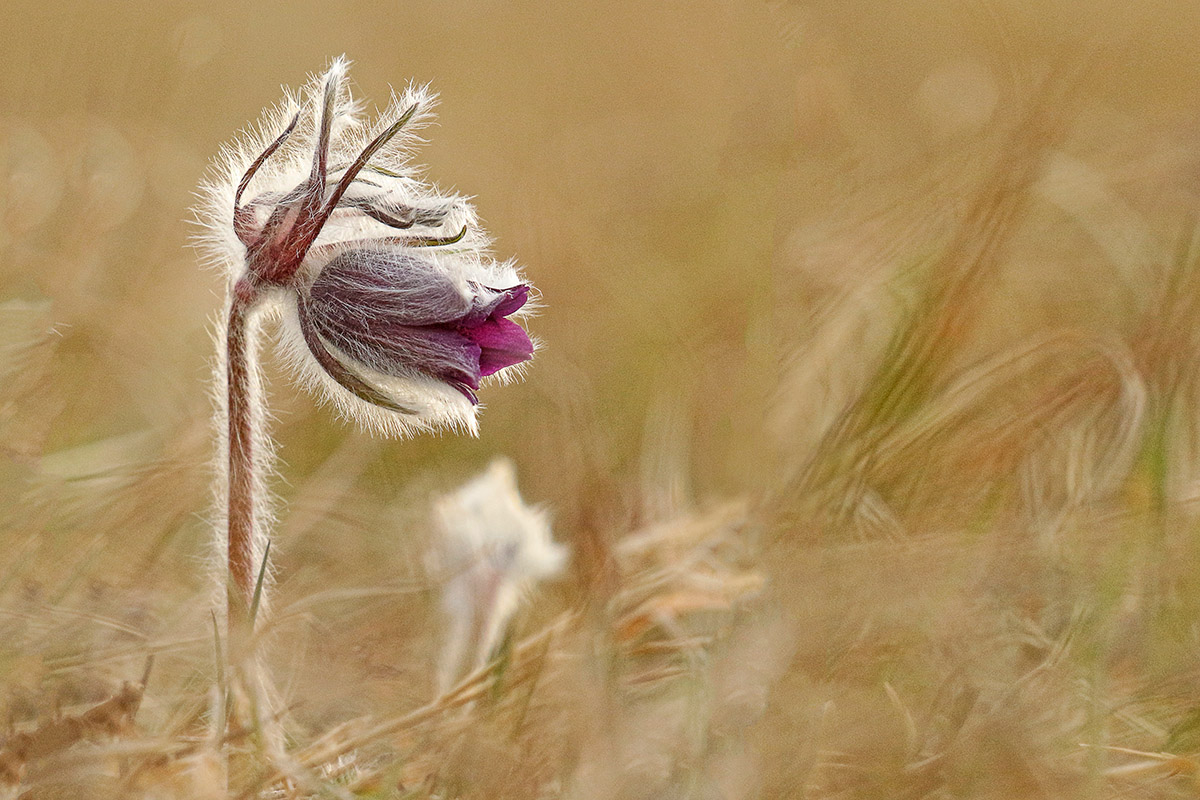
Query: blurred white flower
pixel 392 309
pixel 493 549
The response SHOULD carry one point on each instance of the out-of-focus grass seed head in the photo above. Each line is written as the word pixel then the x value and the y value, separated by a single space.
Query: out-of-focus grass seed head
pixel 396 312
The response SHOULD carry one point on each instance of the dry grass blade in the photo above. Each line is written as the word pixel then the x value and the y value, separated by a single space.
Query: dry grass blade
pixel 522 665
pixel 111 719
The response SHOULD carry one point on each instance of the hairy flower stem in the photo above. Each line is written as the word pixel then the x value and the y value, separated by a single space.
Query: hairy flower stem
pixel 242 474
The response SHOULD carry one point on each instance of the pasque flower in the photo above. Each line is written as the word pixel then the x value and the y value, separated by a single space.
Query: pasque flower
pixel 493 549
pixel 391 307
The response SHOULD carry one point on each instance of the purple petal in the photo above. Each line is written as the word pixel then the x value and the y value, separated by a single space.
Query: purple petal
pixel 512 300
pixel 500 303
pixel 401 350
pixel 400 315
pixel 387 285
pixel 339 371
pixel 502 343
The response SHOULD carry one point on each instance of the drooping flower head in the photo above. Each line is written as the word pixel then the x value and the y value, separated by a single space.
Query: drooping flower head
pixel 392 308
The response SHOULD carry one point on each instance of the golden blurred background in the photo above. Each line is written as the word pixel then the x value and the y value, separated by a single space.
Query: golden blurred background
pixel 740 216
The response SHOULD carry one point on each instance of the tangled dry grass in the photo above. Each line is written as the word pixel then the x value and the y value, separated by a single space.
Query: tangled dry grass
pixel 899 501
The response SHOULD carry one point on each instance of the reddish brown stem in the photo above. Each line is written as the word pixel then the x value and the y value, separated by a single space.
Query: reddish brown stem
pixel 241 510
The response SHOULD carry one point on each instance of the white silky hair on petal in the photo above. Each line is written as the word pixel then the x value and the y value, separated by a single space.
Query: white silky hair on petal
pixel 466 268
pixel 494 547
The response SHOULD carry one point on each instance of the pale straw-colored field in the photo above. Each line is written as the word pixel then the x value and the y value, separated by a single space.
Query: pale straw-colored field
pixel 865 416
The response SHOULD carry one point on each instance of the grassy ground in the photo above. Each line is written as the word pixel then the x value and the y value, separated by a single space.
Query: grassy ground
pixel 867 408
